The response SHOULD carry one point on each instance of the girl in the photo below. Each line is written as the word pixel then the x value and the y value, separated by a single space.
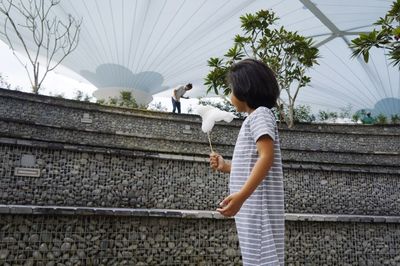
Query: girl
pixel 256 178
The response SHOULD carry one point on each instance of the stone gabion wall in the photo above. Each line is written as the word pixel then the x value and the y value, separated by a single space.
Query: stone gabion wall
pixel 370 160
pixel 112 120
pixel 103 180
pixel 110 140
pixel 102 240
pixel 66 115
pixel 66 240
pixel 337 243
pixel 96 156
pixel 340 142
pixel 146 180
pixel 354 154
pixel 341 192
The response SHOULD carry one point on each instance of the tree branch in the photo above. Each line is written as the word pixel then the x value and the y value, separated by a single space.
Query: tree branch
pixel 48 34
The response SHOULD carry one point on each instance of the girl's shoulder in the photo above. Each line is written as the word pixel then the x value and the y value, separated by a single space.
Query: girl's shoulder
pixel 261 111
pixel 262 122
pixel 261 115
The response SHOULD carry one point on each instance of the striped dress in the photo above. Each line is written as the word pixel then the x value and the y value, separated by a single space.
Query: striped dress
pixel 260 222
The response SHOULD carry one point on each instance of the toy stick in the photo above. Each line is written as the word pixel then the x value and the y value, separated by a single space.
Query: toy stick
pixel 209 141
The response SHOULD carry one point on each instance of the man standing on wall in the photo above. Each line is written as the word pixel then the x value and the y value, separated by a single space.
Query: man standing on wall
pixel 178 94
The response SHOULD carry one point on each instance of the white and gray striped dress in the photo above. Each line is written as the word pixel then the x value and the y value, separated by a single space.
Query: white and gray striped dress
pixel 260 222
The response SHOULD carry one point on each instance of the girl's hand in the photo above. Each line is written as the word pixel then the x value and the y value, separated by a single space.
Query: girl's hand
pixel 216 161
pixel 231 204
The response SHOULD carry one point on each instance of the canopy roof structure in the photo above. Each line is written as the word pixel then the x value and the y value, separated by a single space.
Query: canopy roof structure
pixel 151 46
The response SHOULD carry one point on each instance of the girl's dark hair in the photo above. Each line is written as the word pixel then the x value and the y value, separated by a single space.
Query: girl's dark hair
pixel 253 82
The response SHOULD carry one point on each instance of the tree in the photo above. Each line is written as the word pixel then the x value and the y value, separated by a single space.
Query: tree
pixel 125 99
pixel 41 34
pixel 287 53
pixel 381 119
pixel 395 119
pixel 387 37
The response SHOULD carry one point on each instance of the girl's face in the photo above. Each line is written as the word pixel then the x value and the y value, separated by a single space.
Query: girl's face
pixel 239 105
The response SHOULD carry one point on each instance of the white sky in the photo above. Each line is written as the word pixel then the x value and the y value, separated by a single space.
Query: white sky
pixel 15 74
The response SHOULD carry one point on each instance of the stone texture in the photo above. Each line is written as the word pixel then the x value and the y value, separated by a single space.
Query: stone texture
pixel 65 115
pixel 142 180
pixel 101 240
pixel 346 174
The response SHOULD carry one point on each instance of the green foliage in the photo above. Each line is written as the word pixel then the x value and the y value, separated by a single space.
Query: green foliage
pixel 355 117
pixel 395 119
pixel 216 79
pixel 302 113
pixel 125 99
pixel 112 101
pixel 287 53
pixel 326 115
pixel 79 95
pixel 87 98
pixel 101 101
pixel 381 119
pixel 387 37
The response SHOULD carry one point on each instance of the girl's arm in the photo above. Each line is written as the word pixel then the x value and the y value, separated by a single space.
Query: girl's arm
pixel 233 203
